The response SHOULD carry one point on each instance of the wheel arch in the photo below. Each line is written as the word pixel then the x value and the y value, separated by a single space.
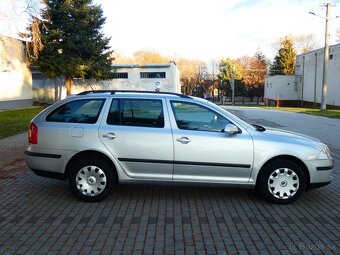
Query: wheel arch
pixel 87 154
pixel 286 157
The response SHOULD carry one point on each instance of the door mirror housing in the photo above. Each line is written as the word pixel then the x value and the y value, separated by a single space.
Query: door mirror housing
pixel 231 129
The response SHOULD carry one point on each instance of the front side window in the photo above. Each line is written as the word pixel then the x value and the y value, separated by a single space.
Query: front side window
pixel 191 116
pixel 77 111
pixel 136 112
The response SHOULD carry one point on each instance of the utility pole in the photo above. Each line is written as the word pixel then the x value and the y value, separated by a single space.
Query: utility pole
pixel 233 87
pixel 326 58
pixel 326 54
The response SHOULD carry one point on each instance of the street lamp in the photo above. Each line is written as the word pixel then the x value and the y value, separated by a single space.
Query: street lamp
pixel 326 55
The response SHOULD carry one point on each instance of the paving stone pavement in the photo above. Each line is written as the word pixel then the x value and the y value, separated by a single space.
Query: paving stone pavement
pixel 41 216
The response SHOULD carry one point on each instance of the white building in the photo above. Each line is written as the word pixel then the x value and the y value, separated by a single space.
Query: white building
pixel 15 77
pixel 309 69
pixel 281 90
pixel 162 77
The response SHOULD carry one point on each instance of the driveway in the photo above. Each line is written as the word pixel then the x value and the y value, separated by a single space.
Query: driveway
pixel 41 216
pixel 325 129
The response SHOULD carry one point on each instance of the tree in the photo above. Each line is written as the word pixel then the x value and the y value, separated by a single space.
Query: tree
pixel 74 45
pixel 231 69
pixel 305 43
pixel 144 57
pixel 255 72
pixel 337 35
pixel 190 74
pixel 285 60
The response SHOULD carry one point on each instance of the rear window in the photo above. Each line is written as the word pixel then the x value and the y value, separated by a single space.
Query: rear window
pixel 136 112
pixel 77 111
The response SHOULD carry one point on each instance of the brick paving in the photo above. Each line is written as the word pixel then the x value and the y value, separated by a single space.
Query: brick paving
pixel 40 216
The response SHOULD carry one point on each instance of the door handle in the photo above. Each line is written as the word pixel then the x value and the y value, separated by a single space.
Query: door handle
pixel 183 140
pixel 110 136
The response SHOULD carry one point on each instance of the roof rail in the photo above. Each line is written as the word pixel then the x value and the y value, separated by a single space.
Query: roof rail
pixel 112 92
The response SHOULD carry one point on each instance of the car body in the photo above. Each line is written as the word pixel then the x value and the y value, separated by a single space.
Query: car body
pixel 98 139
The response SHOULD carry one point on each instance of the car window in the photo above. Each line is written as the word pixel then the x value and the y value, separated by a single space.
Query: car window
pixel 136 112
pixel 77 111
pixel 191 116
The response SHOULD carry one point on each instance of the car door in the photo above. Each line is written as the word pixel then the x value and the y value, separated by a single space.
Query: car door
pixel 138 134
pixel 203 152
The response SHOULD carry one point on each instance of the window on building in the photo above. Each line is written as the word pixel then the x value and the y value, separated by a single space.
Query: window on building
pixel 331 57
pixel 152 75
pixel 120 76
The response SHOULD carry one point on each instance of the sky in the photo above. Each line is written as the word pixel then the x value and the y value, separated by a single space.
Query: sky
pixel 201 29
pixel 211 29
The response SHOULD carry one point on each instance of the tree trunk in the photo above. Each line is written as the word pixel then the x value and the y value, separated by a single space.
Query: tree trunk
pixel 69 86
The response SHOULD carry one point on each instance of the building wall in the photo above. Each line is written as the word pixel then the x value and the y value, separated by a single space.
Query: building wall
pixel 310 67
pixel 50 90
pixel 15 77
pixel 282 89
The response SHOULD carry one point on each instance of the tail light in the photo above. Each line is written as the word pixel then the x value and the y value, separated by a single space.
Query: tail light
pixel 33 134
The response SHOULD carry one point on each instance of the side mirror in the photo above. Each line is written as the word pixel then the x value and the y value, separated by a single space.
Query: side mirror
pixel 231 129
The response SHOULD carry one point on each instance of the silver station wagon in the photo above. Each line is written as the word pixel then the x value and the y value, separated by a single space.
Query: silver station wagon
pixel 98 139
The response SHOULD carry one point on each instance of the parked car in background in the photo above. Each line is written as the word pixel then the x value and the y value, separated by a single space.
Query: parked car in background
pixel 98 139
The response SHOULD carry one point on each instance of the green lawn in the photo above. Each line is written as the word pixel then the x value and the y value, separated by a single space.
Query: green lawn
pixel 335 114
pixel 16 121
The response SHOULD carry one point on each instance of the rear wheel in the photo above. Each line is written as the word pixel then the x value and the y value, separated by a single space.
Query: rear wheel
pixel 281 182
pixel 92 179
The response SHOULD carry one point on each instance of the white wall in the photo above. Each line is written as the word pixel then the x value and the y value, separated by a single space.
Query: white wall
pixel 15 77
pixel 47 90
pixel 310 67
pixel 282 87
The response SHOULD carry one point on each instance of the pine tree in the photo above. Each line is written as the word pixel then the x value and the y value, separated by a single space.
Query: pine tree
pixel 74 45
pixel 285 60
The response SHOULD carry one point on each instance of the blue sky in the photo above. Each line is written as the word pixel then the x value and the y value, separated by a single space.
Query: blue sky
pixel 200 29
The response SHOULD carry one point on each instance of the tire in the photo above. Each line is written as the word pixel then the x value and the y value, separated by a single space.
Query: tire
pixel 92 179
pixel 281 182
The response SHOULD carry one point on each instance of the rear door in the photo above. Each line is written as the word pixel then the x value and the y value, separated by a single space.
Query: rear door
pixel 138 134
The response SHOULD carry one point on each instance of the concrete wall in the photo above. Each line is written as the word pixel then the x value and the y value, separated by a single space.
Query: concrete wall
pixel 15 77
pixel 310 67
pixel 50 90
pixel 282 88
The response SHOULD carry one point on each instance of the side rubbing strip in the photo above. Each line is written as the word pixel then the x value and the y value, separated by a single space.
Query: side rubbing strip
pixel 42 155
pixel 183 162
pixel 324 168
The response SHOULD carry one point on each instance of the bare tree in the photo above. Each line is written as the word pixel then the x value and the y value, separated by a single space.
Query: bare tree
pixel 305 43
pixel 144 57
pixel 337 35
pixel 302 43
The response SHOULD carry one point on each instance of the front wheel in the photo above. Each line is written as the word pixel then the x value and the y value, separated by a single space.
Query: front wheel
pixel 92 179
pixel 281 182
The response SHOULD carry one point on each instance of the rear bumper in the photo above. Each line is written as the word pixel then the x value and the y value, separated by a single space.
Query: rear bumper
pixel 53 175
pixel 46 163
pixel 318 184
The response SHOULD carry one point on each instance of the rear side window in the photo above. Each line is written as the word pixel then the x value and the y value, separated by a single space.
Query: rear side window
pixel 77 111
pixel 136 112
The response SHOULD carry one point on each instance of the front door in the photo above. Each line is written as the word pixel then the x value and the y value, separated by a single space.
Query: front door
pixel 203 152
pixel 138 134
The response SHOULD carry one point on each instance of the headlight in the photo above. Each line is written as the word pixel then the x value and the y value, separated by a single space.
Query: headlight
pixel 324 153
